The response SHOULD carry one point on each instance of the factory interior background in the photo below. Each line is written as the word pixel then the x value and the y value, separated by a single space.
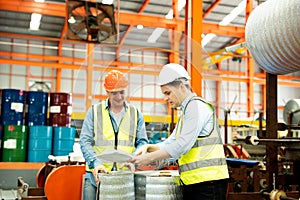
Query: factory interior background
pixel 58 47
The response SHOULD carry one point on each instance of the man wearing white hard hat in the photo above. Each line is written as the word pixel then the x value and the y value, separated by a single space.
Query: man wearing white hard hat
pixel 195 141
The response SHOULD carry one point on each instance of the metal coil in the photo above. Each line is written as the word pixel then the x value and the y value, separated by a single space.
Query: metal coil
pixel 272 36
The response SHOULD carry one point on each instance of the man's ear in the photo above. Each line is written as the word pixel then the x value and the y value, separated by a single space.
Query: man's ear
pixel 182 87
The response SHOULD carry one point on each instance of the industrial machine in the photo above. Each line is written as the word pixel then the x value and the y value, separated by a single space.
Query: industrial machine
pixel 55 181
pixel 278 177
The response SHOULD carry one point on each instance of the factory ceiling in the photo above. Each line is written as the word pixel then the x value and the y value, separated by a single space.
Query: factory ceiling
pixel 135 21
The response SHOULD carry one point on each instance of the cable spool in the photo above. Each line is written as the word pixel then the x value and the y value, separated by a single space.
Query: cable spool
pixel 272 36
pixel 292 107
pixel 277 194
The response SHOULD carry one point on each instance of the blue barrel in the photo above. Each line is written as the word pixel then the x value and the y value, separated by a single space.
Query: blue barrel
pixel 39 143
pixel 12 106
pixel 63 140
pixel 1 139
pixel 0 108
pixel 37 108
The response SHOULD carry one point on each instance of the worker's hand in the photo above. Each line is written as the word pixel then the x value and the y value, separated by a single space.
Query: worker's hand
pixel 141 150
pixel 129 165
pixel 146 148
pixel 143 159
pixel 97 169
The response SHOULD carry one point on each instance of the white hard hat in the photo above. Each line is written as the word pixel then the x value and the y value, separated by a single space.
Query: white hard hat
pixel 172 71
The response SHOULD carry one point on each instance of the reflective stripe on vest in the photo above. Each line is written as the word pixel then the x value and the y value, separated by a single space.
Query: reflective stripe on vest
pixel 104 135
pixel 206 159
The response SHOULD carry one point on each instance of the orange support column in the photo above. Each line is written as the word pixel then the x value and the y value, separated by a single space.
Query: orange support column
pixel 174 35
pixel 250 69
pixel 196 48
pixel 89 75
pixel 58 70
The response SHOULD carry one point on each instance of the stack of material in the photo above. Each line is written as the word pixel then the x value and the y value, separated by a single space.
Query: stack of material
pixel 116 185
pixel 155 185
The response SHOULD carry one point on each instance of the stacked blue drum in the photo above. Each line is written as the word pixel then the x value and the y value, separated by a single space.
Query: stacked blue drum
pixel 63 140
pixel 36 108
pixel 40 143
pixel 40 135
pixel 12 106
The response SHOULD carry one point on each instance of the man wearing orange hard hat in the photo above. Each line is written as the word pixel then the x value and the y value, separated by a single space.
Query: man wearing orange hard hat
pixel 110 124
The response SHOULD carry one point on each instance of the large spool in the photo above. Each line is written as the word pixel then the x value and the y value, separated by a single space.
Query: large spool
pixel 272 36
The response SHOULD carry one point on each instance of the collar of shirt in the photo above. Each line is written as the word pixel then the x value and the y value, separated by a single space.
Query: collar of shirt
pixel 186 100
pixel 125 104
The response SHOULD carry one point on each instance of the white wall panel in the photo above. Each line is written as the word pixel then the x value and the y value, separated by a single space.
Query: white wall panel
pixel 4 83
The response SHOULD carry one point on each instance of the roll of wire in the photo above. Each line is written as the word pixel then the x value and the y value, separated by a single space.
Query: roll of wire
pixel 277 194
pixel 272 36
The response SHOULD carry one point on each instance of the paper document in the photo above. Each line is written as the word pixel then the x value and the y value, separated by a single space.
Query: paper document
pixel 113 155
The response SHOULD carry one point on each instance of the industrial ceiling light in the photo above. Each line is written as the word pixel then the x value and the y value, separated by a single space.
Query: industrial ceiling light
pixel 155 35
pixel 108 2
pixel 140 26
pixel 72 20
pixel 35 21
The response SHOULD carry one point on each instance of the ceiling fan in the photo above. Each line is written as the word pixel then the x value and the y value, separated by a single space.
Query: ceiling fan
pixel 91 21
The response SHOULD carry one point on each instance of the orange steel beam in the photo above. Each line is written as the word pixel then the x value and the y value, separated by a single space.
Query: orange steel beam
pixel 196 48
pixel 154 21
pixel 175 35
pixel 257 81
pixel 250 68
pixel 15 35
pixel 51 9
pixel 55 65
pixel 78 60
pixel 210 8
pixel 41 64
pixel 59 10
pixel 89 75
pixel 42 57
pixel 218 93
pixel 58 71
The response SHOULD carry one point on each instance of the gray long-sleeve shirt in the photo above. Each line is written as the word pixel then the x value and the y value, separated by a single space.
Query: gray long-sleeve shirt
pixel 198 121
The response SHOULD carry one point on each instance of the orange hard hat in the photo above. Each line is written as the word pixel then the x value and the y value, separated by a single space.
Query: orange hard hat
pixel 115 81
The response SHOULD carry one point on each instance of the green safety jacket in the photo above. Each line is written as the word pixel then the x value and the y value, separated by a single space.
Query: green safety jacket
pixel 104 132
pixel 205 161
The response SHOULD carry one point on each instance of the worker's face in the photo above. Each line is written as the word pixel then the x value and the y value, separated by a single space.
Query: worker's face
pixel 116 99
pixel 172 95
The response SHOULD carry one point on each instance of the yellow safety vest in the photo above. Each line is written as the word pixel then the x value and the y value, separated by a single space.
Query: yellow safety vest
pixel 104 132
pixel 205 161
